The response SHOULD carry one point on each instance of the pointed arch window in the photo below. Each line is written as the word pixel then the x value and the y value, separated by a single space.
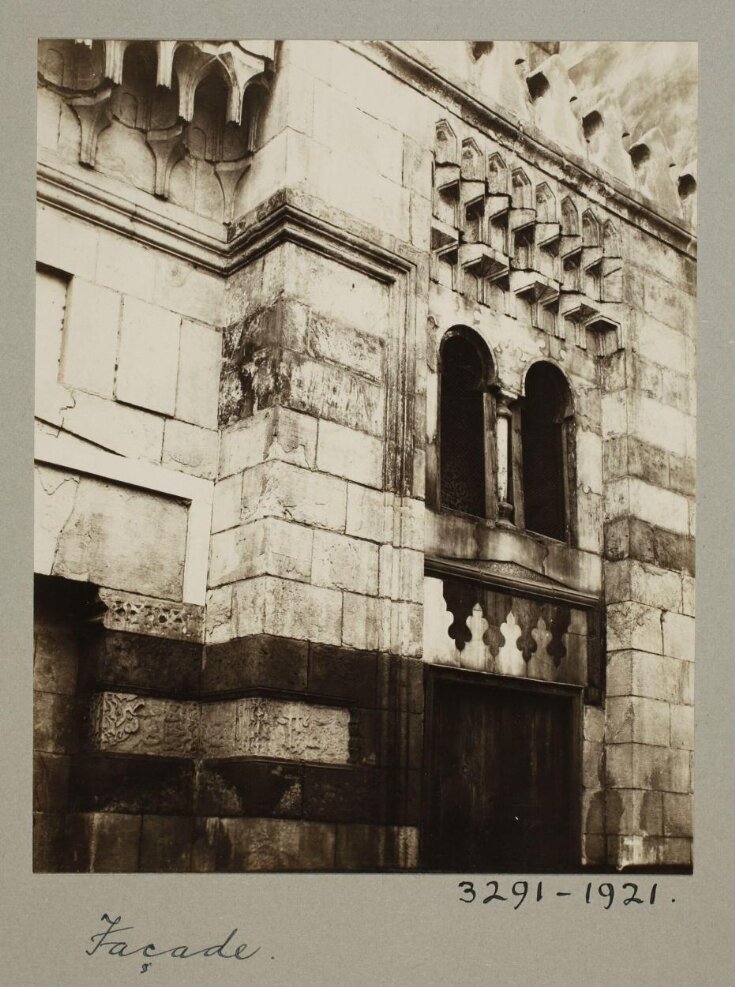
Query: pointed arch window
pixel 546 437
pixel 465 424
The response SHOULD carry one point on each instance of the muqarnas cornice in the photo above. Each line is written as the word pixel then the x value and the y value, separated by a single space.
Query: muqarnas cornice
pixel 195 99
pixel 504 240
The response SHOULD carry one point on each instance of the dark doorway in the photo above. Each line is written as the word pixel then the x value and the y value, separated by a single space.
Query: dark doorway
pixel 502 775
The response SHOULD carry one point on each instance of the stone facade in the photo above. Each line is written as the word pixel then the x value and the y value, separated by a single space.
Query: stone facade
pixel 255 260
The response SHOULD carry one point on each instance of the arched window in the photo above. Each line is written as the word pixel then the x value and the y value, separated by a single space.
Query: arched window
pixel 545 421
pixel 466 370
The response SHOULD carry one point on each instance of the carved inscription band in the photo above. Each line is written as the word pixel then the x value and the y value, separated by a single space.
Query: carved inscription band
pixel 253 726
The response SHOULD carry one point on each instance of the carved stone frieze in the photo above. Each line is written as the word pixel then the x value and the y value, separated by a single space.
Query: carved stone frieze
pixel 144 725
pixel 250 727
pixel 271 728
pixel 146 615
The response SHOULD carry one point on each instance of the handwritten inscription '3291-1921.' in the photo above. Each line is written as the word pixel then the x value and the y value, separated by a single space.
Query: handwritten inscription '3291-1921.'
pixel 519 892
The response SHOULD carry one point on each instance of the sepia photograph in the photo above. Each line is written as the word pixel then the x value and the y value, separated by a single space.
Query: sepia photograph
pixel 365 445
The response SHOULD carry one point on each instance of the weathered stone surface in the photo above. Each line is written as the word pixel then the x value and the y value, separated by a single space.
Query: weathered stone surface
pixel 227 503
pixel 266 547
pixel 345 794
pixel 282 490
pixel 274 845
pixel 49 842
pixel 345 563
pixel 55 657
pixel 190 449
pixel 351 454
pixel 638 673
pixel 145 615
pixel 50 782
pixel 103 842
pixel 144 725
pixel 678 633
pixel 249 788
pixel 96 532
pixel 634 625
pixel 91 326
pixel 197 389
pixel 115 783
pixel 682 727
pixel 129 661
pixel 54 723
pixel 365 847
pixel 270 605
pixel 257 661
pixel 646 767
pixel 638 813
pixel 114 426
pixel 65 242
pixel 148 357
pixel 636 720
pixel 368 515
pixel 361 621
pixel 342 673
pixel 677 813
pixel 125 266
pixel 165 843
pixel 297 731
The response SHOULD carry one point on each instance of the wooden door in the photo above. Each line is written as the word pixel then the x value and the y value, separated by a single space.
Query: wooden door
pixel 502 776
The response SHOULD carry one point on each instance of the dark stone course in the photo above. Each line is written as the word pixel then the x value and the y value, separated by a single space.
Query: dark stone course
pixel 48 842
pixel 166 843
pixel 674 551
pixel 342 673
pixel 249 788
pixel 50 782
pixel 345 794
pixel 131 783
pixel 142 663
pixel 363 847
pixel 400 683
pixel 55 723
pixel 102 842
pixel 635 539
pixel 378 737
pixel 260 661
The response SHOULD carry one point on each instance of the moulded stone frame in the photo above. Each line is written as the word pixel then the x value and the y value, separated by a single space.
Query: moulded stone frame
pixel 66 452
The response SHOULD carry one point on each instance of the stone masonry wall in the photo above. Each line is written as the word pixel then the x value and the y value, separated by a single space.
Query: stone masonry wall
pixel 238 328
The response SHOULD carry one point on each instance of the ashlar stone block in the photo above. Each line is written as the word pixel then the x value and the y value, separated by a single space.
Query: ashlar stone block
pixel 634 626
pixel 91 328
pixel 368 514
pixel 114 426
pixel 345 563
pixel 286 608
pixel 638 673
pixel 648 767
pixel 682 727
pixel 265 547
pixel 197 390
pixel 354 455
pixel 636 720
pixel 278 489
pixel 677 813
pixel 149 356
pixel 190 449
pixel 678 632
pixel 361 625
